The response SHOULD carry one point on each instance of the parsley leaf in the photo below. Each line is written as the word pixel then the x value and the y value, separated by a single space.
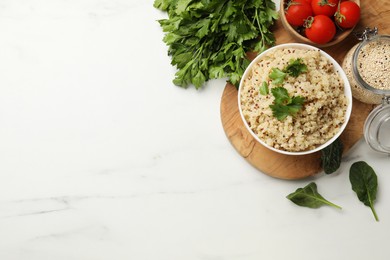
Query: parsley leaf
pixel 279 111
pixel 264 89
pixel 182 5
pixel 281 96
pixel 284 105
pixel 295 67
pixel 277 76
pixel 161 4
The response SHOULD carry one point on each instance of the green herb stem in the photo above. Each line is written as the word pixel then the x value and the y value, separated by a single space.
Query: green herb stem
pixel 374 212
pixel 332 204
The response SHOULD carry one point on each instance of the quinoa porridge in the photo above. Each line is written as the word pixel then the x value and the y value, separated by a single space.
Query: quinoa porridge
pixel 322 114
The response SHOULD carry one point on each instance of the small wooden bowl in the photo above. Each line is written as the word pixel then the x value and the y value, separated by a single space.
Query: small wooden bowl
pixel 340 34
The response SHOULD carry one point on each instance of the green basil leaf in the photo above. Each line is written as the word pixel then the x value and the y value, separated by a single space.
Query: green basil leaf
pixel 331 156
pixel 309 197
pixel 365 183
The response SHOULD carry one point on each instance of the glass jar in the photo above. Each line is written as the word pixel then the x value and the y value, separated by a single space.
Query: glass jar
pixel 367 66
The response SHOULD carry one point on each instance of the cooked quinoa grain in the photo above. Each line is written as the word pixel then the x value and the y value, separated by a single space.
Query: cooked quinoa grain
pixel 323 112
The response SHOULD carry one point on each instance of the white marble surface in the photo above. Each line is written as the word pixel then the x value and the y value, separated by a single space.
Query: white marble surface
pixel 102 157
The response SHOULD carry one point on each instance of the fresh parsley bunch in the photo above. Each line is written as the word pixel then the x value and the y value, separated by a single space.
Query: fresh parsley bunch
pixel 210 38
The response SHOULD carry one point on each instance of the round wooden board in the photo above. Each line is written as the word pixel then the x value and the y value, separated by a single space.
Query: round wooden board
pixel 375 13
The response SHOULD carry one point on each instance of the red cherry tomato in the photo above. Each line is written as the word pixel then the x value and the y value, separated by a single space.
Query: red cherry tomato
pixel 325 7
pixel 320 29
pixel 348 14
pixel 297 12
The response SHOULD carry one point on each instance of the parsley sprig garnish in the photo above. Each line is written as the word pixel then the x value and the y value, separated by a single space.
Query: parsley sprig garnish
pixel 277 76
pixel 294 69
pixel 284 105
pixel 264 90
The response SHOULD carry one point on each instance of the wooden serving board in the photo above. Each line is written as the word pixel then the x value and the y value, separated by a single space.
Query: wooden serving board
pixel 374 13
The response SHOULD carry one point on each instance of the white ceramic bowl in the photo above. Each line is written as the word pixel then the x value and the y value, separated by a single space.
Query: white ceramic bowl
pixel 347 92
